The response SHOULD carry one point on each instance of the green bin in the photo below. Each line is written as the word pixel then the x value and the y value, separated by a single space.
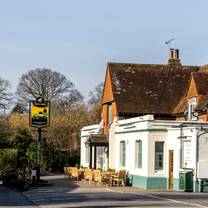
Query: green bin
pixel 186 180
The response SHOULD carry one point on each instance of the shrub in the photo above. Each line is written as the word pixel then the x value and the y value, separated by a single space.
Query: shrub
pixel 9 176
pixel 8 159
pixel 8 164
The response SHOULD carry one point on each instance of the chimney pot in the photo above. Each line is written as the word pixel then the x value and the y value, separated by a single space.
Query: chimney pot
pixel 176 54
pixel 171 54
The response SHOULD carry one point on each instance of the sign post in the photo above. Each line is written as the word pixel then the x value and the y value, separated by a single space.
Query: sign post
pixel 39 117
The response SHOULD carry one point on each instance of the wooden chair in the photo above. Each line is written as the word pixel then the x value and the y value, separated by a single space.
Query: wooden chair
pixel 120 178
pixel 69 172
pixel 100 178
pixel 97 176
pixel 88 175
pixel 74 173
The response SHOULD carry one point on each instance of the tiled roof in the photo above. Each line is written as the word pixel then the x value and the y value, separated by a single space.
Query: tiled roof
pixel 202 104
pixel 149 88
pixel 181 107
pixel 201 81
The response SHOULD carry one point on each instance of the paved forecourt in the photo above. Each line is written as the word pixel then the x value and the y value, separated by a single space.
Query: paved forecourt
pixel 65 193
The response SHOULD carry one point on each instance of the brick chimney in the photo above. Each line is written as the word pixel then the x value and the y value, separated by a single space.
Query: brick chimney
pixel 173 58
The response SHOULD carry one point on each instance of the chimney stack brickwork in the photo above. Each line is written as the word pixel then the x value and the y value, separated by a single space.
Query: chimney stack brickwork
pixel 174 57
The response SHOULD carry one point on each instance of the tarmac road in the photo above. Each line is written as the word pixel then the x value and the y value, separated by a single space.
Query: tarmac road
pixel 65 193
pixel 10 197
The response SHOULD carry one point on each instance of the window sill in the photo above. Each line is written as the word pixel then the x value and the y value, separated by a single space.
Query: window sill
pixel 159 172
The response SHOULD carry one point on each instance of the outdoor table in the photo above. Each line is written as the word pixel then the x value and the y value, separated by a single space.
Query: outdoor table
pixel 108 175
pixel 112 175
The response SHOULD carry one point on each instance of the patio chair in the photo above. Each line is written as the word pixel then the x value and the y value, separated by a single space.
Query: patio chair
pixel 80 174
pixel 97 176
pixel 100 178
pixel 88 175
pixel 74 173
pixel 120 178
pixel 69 172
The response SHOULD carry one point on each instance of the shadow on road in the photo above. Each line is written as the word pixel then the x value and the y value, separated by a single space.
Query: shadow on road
pixel 12 197
pixel 67 193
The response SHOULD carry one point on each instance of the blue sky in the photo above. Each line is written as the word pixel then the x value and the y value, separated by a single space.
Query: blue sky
pixel 79 37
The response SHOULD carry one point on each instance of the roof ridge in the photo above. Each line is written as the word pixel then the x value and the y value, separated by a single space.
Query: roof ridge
pixel 144 64
pixel 137 64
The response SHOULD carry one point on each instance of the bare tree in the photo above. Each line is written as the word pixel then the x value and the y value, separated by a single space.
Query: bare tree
pixel 96 94
pixel 50 85
pixel 95 105
pixel 5 95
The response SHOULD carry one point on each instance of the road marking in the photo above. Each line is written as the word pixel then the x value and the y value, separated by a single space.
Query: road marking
pixel 158 197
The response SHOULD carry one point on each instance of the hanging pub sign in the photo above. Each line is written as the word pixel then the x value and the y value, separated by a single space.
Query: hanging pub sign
pixel 39 113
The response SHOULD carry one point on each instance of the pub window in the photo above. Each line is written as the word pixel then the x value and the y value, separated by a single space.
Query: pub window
pixel 122 154
pixel 159 155
pixel 87 154
pixel 138 154
pixel 109 113
pixel 191 106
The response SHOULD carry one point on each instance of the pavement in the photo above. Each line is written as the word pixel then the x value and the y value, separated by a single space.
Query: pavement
pixel 10 197
pixel 66 193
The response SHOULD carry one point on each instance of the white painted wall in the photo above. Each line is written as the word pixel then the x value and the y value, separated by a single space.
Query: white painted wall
pixel 124 130
pixel 131 130
pixel 85 133
pixel 189 151
pixel 173 144
pixel 140 128
pixel 149 131
pixel 203 156
pixel 188 157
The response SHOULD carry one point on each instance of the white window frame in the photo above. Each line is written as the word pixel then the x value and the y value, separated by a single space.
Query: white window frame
pixel 109 113
pixel 158 155
pixel 138 153
pixel 192 102
pixel 87 154
pixel 122 154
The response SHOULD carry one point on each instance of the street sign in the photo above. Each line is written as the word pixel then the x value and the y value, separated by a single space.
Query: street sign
pixel 39 113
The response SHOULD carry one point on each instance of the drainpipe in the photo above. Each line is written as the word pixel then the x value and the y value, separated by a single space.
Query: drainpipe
pixel 181 145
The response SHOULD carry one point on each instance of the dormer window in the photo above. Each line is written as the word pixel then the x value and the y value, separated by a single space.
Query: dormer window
pixel 191 106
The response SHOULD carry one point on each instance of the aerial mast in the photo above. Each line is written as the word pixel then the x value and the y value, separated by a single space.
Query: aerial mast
pixel 168 42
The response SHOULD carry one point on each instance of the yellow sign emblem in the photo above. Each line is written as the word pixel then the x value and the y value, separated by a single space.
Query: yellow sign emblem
pixel 39 114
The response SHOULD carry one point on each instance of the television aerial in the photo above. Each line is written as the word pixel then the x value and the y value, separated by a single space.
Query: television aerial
pixel 168 42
